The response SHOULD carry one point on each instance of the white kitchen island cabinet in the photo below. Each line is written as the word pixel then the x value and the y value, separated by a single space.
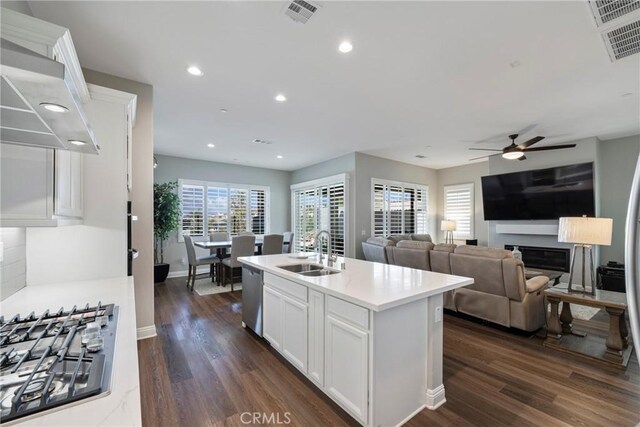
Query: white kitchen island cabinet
pixel 369 336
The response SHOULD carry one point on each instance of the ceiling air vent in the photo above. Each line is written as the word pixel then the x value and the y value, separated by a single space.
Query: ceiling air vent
pixel 262 141
pixel 623 41
pixel 605 11
pixel 301 11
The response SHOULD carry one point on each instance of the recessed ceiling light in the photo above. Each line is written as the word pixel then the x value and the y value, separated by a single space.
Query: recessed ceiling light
pixel 210 145
pixel 76 142
pixel 223 110
pixel 345 47
pixel 280 97
pixel 279 156
pixel 195 71
pixel 54 107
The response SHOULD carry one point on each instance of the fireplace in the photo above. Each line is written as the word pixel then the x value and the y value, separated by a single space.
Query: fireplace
pixel 556 259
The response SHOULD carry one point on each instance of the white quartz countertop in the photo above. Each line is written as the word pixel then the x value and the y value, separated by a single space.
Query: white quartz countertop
pixel 121 407
pixel 372 285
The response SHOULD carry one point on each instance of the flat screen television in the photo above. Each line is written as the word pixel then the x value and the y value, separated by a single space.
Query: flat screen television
pixel 539 194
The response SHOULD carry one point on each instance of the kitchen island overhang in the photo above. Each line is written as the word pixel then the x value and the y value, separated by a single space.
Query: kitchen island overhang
pixel 369 336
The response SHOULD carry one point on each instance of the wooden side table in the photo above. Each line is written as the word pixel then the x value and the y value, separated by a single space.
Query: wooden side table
pixel 614 350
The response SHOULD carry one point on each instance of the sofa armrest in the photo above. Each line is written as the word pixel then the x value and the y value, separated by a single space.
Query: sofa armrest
pixel 536 284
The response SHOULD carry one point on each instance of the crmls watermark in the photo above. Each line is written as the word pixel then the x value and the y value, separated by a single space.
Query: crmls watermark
pixel 265 418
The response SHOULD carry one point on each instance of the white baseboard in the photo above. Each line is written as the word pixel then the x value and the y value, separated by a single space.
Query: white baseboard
pixel 146 332
pixel 435 397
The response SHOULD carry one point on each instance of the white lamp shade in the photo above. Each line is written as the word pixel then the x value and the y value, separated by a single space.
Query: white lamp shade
pixel 584 230
pixel 447 225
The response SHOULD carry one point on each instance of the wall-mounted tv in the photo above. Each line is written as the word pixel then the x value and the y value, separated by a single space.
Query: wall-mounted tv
pixel 539 194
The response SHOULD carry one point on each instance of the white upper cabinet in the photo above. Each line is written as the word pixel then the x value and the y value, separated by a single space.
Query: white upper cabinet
pixel 68 184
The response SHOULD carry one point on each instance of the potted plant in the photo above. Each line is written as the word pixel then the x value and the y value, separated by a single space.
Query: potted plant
pixel 166 219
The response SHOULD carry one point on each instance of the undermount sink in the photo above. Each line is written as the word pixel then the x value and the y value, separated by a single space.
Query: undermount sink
pixel 301 268
pixel 324 272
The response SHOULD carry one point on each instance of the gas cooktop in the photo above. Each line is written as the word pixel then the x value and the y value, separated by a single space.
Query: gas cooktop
pixel 55 358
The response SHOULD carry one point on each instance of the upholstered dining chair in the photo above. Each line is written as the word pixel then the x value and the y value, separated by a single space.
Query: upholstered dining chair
pixel 287 246
pixel 272 244
pixel 240 246
pixel 195 261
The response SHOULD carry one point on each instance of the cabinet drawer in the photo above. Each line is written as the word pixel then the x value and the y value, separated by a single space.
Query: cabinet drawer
pixel 354 314
pixel 287 287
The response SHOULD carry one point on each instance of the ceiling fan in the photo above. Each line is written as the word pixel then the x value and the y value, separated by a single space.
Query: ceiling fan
pixel 516 151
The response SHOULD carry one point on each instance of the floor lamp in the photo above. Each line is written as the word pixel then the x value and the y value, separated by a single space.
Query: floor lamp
pixel 448 226
pixel 584 233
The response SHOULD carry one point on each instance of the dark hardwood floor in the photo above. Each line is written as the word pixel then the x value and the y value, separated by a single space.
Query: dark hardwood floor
pixel 204 369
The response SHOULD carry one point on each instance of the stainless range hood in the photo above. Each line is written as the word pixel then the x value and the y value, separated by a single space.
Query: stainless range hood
pixel 29 82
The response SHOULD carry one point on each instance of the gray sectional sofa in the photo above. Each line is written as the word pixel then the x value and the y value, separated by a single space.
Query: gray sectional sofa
pixel 500 293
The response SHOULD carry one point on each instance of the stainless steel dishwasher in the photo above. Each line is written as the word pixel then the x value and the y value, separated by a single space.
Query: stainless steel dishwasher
pixel 252 299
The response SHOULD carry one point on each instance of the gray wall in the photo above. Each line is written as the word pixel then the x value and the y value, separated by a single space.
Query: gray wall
pixel 617 161
pixel 141 194
pixel 462 175
pixel 368 167
pixel 174 168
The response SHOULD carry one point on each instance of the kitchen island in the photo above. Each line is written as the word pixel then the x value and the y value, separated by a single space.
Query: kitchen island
pixel 369 336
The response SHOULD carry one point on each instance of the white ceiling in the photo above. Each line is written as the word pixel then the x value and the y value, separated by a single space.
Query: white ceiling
pixel 423 78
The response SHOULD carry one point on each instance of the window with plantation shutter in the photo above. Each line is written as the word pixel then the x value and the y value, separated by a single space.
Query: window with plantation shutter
pixel 258 211
pixel 192 197
pixel 231 208
pixel 218 209
pixel 459 207
pixel 320 205
pixel 399 208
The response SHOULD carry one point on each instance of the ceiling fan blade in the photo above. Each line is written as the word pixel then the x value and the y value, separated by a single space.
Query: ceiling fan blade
pixel 522 158
pixel 486 149
pixel 486 157
pixel 530 142
pixel 549 147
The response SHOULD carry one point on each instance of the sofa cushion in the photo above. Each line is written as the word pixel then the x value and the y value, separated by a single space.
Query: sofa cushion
pixel 421 237
pixel 440 262
pixel 413 244
pixel 444 247
pixel 485 252
pixel 380 241
pixel 486 272
pixel 399 237
pixel 411 254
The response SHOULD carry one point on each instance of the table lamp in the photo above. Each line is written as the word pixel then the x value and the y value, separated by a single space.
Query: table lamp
pixel 584 233
pixel 448 226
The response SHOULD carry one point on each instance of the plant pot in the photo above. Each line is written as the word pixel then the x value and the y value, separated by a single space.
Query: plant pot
pixel 160 272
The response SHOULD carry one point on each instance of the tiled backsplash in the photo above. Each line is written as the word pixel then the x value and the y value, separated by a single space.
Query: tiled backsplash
pixel 13 267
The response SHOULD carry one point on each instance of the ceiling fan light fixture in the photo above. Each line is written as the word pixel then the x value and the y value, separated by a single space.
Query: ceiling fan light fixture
pixel 512 155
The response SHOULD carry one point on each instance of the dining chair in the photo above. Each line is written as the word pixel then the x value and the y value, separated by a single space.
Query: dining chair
pixel 240 246
pixel 272 244
pixel 195 261
pixel 288 242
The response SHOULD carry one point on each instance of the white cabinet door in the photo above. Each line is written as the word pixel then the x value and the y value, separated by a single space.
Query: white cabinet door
pixel 272 317
pixel 68 183
pixel 26 184
pixel 294 332
pixel 347 364
pixel 316 337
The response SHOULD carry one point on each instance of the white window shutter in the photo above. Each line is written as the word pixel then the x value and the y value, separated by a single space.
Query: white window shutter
pixel 459 207
pixel 192 209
